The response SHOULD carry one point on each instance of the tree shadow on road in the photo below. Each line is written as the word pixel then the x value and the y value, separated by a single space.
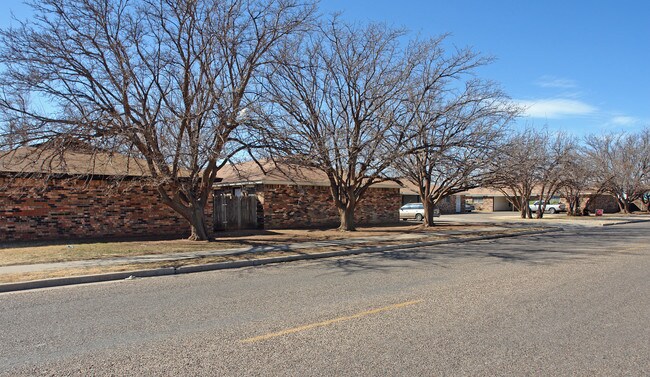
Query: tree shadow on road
pixel 586 245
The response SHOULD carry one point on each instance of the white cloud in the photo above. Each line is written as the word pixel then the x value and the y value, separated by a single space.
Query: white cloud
pixel 554 108
pixel 556 82
pixel 623 120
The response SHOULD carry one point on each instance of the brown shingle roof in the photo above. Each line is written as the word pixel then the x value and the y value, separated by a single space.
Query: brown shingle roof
pixel 482 191
pixel 30 160
pixel 250 172
pixel 411 189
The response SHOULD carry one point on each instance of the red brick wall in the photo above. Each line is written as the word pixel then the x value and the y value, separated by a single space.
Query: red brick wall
pixel 291 206
pixel 67 209
pixel 605 202
pixel 447 205
pixel 481 204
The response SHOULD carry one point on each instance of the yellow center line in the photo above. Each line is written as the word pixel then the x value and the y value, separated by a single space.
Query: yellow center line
pixel 328 322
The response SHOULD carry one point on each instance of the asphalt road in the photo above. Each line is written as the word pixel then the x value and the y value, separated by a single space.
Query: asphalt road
pixel 571 303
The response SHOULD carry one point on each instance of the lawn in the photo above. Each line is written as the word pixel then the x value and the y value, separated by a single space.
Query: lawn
pixel 40 252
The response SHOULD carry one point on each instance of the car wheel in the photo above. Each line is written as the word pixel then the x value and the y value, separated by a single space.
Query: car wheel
pixel 419 217
pixel 551 210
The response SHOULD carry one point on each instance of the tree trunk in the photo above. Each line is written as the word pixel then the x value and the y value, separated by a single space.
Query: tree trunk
pixel 193 212
pixel 428 213
pixel 347 219
pixel 585 209
pixel 198 224
pixel 574 205
pixel 622 205
pixel 525 209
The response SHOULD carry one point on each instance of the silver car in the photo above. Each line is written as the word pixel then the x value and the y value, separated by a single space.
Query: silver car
pixel 550 207
pixel 415 211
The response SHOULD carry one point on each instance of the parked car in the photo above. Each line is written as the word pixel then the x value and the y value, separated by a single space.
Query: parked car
pixel 415 211
pixel 469 207
pixel 550 208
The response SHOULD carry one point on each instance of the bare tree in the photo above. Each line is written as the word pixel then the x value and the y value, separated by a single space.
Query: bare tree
pixel 576 181
pixel 333 101
pixel 453 128
pixel 530 161
pixel 513 170
pixel 554 155
pixel 165 81
pixel 622 165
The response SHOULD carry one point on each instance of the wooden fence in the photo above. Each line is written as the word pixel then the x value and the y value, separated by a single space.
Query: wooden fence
pixel 235 212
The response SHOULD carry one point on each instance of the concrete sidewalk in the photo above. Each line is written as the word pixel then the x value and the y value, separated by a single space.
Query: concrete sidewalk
pixel 137 259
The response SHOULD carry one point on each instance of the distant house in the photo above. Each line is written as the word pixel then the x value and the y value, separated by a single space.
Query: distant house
pixel 449 205
pixel 487 200
pixel 492 200
pixel 48 196
pixel 268 196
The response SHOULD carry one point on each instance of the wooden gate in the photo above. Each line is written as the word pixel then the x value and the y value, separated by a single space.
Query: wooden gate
pixel 235 212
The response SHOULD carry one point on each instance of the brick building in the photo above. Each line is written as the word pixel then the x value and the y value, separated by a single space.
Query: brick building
pixel 492 200
pixel 47 197
pixel 77 195
pixel 292 197
pixel 448 205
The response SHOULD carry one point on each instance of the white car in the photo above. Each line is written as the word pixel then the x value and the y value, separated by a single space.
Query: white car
pixel 550 208
pixel 415 211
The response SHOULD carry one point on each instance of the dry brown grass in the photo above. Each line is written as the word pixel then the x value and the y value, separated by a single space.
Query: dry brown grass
pixel 32 253
pixel 26 254
pixel 68 272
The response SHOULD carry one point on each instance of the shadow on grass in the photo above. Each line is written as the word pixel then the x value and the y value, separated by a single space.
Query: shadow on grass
pixel 243 237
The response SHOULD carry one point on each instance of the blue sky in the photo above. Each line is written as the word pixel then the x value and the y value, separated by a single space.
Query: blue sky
pixel 580 66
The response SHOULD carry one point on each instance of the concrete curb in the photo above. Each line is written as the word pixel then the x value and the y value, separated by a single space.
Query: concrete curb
pixel 57 282
pixel 628 222
pixel 84 279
